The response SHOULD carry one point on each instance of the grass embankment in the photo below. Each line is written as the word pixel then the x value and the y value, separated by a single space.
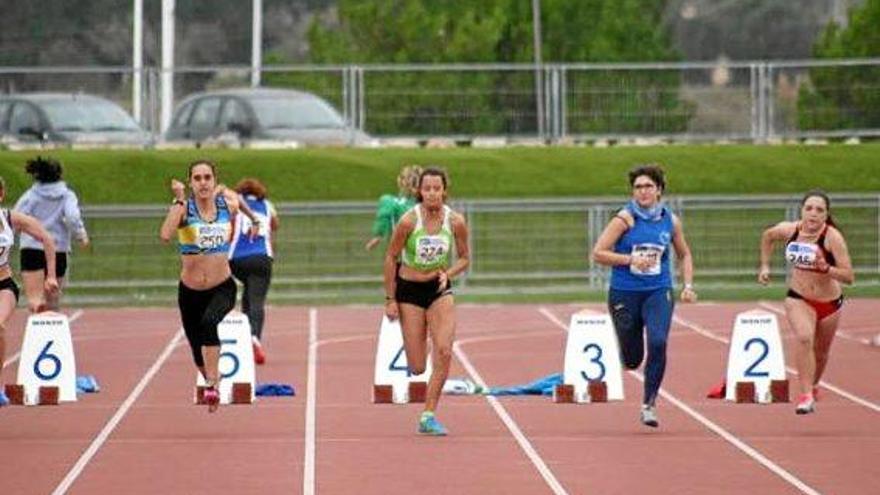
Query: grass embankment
pixel 137 177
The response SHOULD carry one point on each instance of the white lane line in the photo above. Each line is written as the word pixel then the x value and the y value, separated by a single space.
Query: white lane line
pixel 120 413
pixel 511 425
pixel 311 394
pixel 830 386
pixel 840 333
pixel 715 428
pixel 73 317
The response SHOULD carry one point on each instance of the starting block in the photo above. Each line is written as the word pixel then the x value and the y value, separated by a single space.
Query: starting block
pixel 237 370
pixel 47 367
pixel 393 382
pixel 592 371
pixel 755 361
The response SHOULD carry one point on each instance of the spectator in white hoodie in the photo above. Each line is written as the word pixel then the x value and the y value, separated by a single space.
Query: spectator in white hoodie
pixel 51 202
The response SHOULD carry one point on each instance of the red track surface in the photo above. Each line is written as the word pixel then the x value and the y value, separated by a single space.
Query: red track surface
pixel 151 439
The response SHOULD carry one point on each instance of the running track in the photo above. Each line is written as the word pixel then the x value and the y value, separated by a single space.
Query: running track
pixel 141 433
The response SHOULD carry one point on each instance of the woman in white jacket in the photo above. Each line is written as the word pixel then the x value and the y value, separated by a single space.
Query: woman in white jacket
pixel 51 202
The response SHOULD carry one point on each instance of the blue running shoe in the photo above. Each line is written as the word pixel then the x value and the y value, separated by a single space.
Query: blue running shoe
pixel 429 425
pixel 4 401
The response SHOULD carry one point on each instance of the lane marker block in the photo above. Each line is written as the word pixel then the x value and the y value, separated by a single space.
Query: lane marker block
pixel 563 394
pixel 745 392
pixel 48 396
pixel 755 357
pixel 242 393
pixel 592 361
pixel 236 359
pixel 383 394
pixel 392 370
pixel 779 391
pixel 597 391
pixel 47 359
pixel 15 394
pixel 418 391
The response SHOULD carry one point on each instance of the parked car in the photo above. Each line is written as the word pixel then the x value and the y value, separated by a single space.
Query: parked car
pixel 262 114
pixel 67 118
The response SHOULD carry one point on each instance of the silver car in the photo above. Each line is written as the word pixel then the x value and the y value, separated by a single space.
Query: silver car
pixel 67 118
pixel 262 114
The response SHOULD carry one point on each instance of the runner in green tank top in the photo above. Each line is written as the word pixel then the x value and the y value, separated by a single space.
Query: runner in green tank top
pixel 418 275
pixel 391 208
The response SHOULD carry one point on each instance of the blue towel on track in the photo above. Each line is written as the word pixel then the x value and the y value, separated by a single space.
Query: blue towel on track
pixel 541 386
pixel 274 390
pixel 87 384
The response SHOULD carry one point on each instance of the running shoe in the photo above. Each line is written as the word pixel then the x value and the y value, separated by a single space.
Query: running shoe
pixel 806 404
pixel 4 401
pixel 212 398
pixel 649 416
pixel 259 353
pixel 429 425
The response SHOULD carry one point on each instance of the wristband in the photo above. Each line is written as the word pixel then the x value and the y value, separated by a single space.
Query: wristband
pixel 688 286
pixel 176 201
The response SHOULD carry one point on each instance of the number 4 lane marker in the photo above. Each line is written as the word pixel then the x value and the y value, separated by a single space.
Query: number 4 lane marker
pixel 718 430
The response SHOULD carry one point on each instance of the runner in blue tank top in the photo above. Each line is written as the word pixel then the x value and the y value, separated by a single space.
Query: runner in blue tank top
pixel 636 244
pixel 251 258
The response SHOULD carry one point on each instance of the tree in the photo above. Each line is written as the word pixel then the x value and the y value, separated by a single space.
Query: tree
pixel 488 31
pixel 845 97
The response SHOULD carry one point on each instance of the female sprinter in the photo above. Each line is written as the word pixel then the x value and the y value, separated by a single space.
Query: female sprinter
pixel 11 221
pixel 56 207
pixel 636 244
pixel 206 292
pixel 418 289
pixel 817 253
pixel 251 258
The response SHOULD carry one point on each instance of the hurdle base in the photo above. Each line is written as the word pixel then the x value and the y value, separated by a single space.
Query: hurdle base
pixel 597 391
pixel 745 392
pixel 15 394
pixel 383 394
pixel 563 393
pixel 779 391
pixel 241 393
pixel 48 396
pixel 418 391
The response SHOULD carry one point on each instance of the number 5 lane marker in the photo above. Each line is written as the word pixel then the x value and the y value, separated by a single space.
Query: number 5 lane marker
pixel 721 432
pixel 120 413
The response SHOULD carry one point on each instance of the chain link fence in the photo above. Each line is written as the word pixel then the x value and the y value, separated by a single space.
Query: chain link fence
pixel 756 101
pixel 517 246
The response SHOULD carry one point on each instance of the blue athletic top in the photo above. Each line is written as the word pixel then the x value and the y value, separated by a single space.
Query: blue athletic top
pixel 196 235
pixel 242 245
pixel 648 237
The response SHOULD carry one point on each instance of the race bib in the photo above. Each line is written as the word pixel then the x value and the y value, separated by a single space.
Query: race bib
pixel 211 236
pixel 801 254
pixel 653 253
pixel 431 249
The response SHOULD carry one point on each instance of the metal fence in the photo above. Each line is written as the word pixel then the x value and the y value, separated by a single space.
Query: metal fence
pixel 550 102
pixel 517 246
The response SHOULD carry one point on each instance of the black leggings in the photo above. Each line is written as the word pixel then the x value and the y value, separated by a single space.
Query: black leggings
pixel 201 311
pixel 255 272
